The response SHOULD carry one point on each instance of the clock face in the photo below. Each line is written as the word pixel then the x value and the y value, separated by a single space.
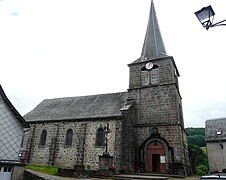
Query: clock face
pixel 149 65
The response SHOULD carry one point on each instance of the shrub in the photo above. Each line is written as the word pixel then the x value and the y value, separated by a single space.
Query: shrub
pixel 201 170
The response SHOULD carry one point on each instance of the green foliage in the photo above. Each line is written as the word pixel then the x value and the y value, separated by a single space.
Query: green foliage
pixel 198 140
pixel 196 143
pixel 195 131
pixel 51 170
pixel 196 136
pixel 203 149
pixel 200 156
pixel 201 170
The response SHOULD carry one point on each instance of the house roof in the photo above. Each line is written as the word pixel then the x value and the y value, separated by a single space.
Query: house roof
pixel 81 107
pixel 215 129
pixel 13 109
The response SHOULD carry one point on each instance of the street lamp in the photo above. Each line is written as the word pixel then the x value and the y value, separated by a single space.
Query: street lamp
pixel 206 17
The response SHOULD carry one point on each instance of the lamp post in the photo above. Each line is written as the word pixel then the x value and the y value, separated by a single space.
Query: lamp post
pixel 206 17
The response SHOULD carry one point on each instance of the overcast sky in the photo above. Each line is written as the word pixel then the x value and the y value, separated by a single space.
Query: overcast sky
pixel 64 48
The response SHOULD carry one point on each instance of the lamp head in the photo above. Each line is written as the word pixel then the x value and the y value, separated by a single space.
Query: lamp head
pixel 205 15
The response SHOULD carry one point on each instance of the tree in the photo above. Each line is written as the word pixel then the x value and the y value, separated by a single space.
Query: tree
pixel 200 159
pixel 196 136
pixel 201 170
pixel 198 140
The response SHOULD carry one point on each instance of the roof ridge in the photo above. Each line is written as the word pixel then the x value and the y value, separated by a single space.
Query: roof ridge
pixel 69 97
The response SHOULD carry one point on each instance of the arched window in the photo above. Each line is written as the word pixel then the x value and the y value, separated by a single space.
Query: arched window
pixel 69 136
pixel 43 138
pixel 100 137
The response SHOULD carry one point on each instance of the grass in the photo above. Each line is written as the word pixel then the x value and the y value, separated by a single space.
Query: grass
pixel 51 170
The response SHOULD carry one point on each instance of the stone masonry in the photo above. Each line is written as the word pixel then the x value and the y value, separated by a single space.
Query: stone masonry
pixel 82 151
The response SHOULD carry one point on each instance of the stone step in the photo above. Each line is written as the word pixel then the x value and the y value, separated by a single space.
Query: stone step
pixel 138 177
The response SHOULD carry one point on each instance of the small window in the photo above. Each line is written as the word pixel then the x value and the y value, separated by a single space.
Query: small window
pixel 43 138
pixel 9 169
pixel 100 137
pixel 69 137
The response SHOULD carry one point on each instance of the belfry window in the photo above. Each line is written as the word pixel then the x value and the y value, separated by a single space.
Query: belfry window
pixel 100 137
pixel 69 137
pixel 43 138
pixel 154 75
pixel 150 75
pixel 145 78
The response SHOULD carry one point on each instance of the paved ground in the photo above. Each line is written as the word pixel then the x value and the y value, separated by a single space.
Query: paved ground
pixel 49 177
pixel 187 178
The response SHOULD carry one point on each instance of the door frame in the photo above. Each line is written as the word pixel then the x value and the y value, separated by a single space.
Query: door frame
pixel 154 153
pixel 143 152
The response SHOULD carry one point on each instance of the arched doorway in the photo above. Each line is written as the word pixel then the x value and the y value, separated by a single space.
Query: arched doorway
pixel 156 157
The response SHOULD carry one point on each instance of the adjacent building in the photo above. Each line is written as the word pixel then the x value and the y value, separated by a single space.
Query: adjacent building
pixel 141 128
pixel 215 130
pixel 12 127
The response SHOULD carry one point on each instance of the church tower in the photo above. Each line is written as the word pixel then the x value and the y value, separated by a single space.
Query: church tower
pixel 160 141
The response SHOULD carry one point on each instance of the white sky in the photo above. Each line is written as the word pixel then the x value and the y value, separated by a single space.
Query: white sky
pixel 63 48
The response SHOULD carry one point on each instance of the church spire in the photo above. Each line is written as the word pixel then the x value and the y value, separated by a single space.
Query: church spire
pixel 153 44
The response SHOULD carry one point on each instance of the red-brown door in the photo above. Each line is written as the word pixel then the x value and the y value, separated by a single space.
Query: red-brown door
pixel 156 158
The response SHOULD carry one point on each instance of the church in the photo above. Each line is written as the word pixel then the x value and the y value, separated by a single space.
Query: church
pixel 142 129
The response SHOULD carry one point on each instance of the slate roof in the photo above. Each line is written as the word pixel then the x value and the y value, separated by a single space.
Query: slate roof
pixel 153 46
pixel 81 107
pixel 13 109
pixel 215 129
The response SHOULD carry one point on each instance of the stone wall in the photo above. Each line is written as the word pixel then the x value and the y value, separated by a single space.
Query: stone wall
pixel 166 73
pixel 159 107
pixel 157 104
pixel 18 172
pixel 83 149
pixel 128 139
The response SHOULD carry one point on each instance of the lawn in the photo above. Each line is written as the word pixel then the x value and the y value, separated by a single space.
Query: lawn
pixel 51 170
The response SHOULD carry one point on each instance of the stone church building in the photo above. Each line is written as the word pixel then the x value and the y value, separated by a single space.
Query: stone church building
pixel 142 127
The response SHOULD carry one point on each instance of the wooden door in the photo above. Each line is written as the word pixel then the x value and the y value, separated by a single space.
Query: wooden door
pixel 156 157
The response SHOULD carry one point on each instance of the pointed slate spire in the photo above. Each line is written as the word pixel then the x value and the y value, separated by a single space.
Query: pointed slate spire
pixel 153 44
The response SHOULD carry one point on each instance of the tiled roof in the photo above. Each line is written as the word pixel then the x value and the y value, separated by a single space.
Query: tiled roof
pixel 215 129
pixel 81 107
